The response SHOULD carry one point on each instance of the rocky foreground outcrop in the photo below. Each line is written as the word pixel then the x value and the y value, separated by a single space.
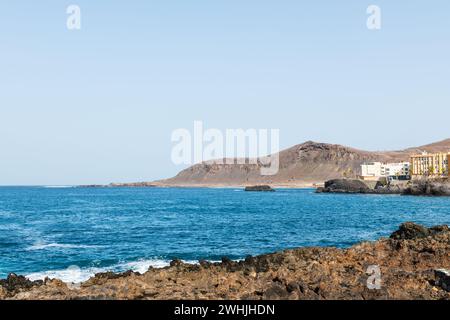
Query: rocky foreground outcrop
pixel 413 264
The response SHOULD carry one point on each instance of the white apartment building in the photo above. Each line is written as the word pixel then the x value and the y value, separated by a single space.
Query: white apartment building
pixel 371 170
pixel 395 169
pixel 376 170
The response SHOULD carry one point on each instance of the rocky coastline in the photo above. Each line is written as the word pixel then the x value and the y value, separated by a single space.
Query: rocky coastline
pixel 422 187
pixel 413 264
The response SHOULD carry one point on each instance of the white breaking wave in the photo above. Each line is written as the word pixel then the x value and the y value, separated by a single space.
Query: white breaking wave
pixel 74 274
pixel 43 246
pixel 69 275
pixel 142 266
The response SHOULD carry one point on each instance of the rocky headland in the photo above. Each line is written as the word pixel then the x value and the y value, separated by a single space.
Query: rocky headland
pixel 120 185
pixel 413 264
pixel 420 187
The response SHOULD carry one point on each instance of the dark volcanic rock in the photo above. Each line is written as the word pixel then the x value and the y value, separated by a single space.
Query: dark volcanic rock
pixel 111 275
pixel 345 186
pixel 443 278
pixel 411 230
pixel 428 187
pixel 14 283
pixel 439 229
pixel 264 188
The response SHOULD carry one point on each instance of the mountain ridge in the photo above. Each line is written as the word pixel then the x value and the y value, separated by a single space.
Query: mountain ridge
pixel 302 165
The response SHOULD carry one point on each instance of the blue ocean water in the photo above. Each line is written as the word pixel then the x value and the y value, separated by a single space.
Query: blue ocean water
pixel 54 231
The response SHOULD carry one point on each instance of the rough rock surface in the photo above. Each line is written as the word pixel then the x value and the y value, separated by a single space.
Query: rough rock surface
pixel 410 230
pixel 14 284
pixel 408 262
pixel 345 186
pixel 443 278
pixel 429 188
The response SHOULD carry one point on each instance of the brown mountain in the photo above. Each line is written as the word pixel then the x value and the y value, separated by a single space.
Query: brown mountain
pixel 301 165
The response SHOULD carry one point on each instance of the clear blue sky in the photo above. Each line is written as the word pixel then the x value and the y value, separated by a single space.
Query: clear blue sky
pixel 99 104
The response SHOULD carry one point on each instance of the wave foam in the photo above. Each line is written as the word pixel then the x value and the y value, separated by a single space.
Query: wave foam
pixel 43 246
pixel 69 275
pixel 74 274
pixel 142 266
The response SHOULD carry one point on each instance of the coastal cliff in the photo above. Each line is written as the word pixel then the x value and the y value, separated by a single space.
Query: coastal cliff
pixel 413 264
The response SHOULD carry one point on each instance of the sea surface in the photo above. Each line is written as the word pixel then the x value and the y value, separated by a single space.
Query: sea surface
pixel 72 233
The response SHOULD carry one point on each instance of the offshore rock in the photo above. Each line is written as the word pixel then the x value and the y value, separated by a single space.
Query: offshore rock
pixel 345 186
pixel 263 188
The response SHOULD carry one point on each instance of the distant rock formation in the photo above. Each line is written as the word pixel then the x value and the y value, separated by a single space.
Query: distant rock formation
pixel 345 186
pixel 119 185
pixel 263 188
pixel 413 262
pixel 134 184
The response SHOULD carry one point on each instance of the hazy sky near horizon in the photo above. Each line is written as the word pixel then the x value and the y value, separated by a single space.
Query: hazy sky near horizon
pixel 99 104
